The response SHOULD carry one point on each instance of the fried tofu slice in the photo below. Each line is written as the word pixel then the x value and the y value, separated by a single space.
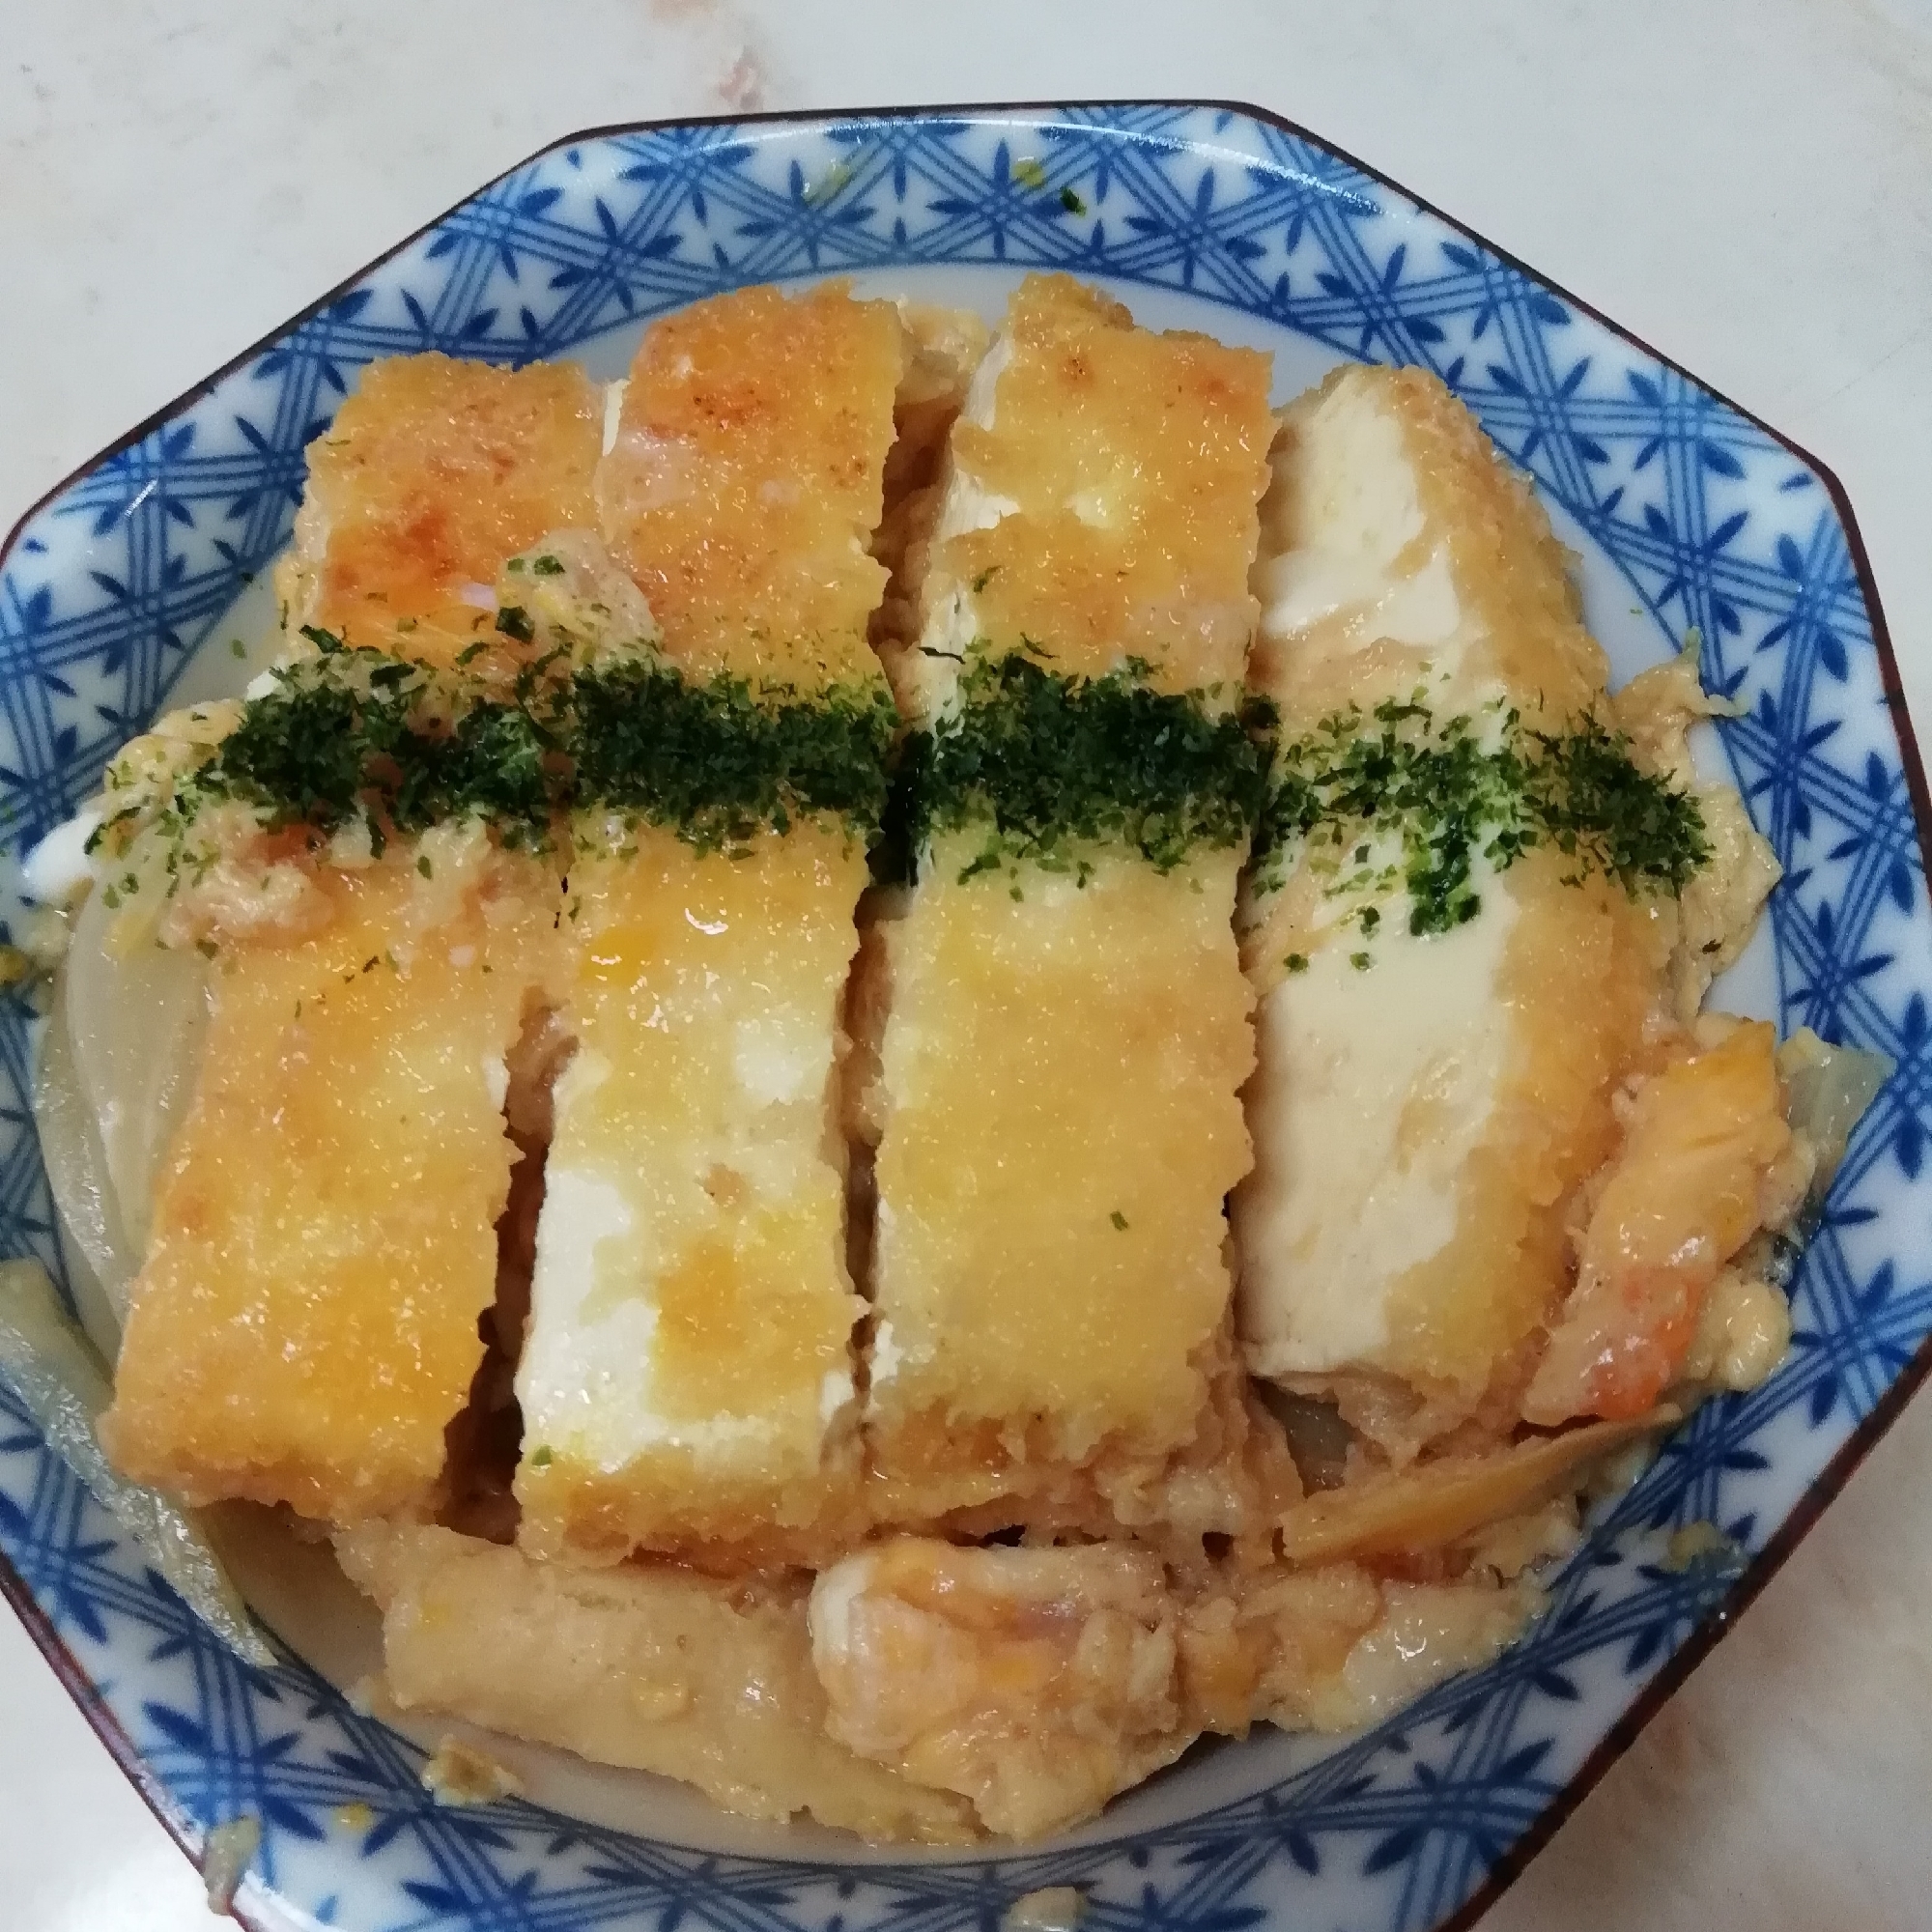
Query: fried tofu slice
pixel 1061 1126
pixel 432 472
pixel 1101 499
pixel 1059 1065
pixel 746 480
pixel 688 1376
pixel 305 1323
pixel 647 1666
pixel 1421 1127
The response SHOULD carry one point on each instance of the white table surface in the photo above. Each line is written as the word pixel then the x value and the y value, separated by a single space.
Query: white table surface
pixel 1746 183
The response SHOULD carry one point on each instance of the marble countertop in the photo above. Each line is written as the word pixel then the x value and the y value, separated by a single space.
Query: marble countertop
pixel 1744 182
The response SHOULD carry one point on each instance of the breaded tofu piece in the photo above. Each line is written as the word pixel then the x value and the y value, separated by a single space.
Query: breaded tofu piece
pixel 1062 1053
pixel 1101 500
pixel 746 480
pixel 647 1666
pixel 688 1375
pixel 1421 1126
pixel 1060 1081
pixel 305 1323
pixel 432 472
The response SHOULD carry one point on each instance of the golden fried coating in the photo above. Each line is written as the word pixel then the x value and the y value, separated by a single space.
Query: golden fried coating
pixel 433 472
pixel 746 479
pixel 688 1374
pixel 1426 1105
pixel 1059 1065
pixel 1105 483
pixel 304 1326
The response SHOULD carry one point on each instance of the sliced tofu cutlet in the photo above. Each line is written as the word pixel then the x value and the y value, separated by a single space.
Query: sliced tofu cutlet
pixel 686 1373
pixel 1425 1105
pixel 687 1376
pixel 750 454
pixel 1059 1081
pixel 306 1321
pixel 432 472
pixel 1101 500
pixel 305 1324
pixel 1064 1048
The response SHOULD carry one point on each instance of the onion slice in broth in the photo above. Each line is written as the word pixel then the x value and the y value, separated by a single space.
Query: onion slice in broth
pixel 136 1021
pixel 50 1366
pixel 77 1164
pixel 1830 1087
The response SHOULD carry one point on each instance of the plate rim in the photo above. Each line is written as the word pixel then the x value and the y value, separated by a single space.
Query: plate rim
pixel 1720 1617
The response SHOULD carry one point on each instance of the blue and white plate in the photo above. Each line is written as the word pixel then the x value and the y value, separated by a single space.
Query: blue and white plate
pixel 1687 513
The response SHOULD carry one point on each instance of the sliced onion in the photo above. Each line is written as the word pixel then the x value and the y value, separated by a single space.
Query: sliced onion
pixel 1432 1504
pixel 136 1021
pixel 50 1365
pixel 77 1176
pixel 1830 1087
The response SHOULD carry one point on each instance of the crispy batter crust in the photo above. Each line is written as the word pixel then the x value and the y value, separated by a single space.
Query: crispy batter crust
pixel 747 480
pixel 1401 553
pixel 1059 1071
pixel 712 1315
pixel 1060 1080
pixel 432 474
pixel 1132 462
pixel 305 1323
pixel 715 1324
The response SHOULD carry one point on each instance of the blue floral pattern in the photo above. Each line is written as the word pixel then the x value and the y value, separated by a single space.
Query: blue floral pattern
pixel 1706 520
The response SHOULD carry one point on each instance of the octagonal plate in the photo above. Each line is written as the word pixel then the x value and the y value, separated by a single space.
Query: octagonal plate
pixel 120 592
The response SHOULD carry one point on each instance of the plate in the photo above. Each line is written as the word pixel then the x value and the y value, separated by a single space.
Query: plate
pixel 121 592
